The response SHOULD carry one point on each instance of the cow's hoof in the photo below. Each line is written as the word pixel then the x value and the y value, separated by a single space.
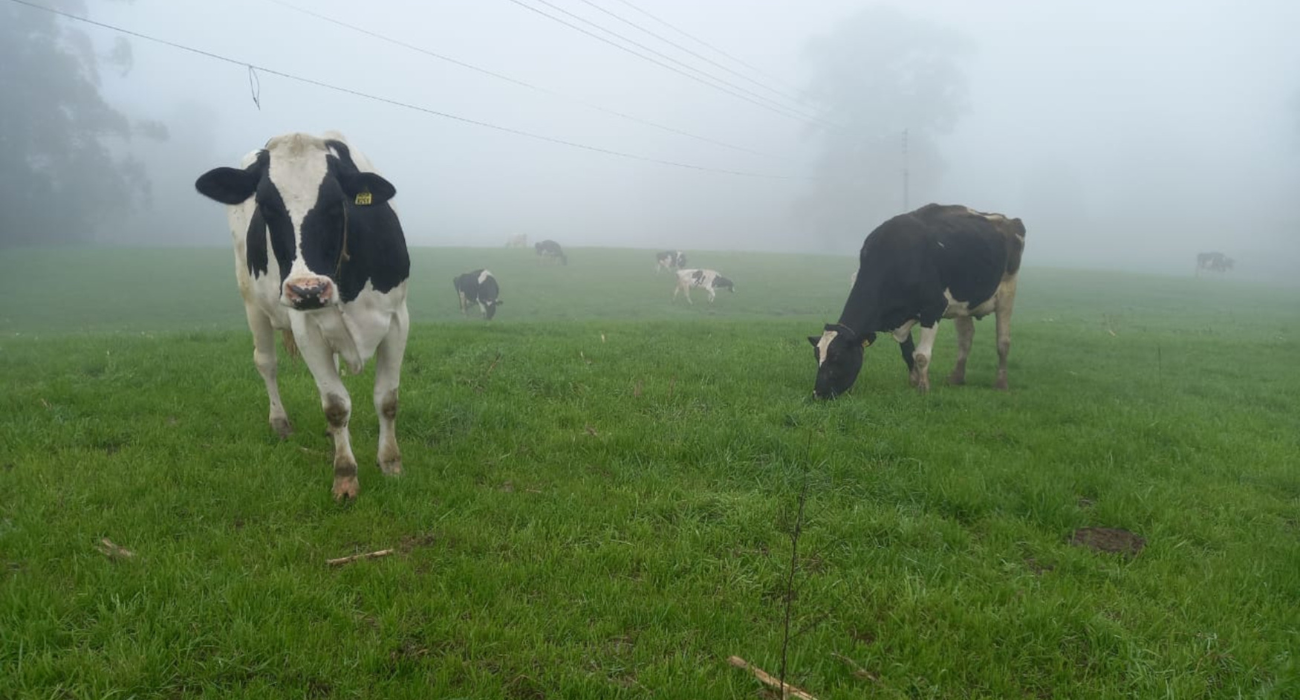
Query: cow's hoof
pixel 1000 385
pixel 957 379
pixel 282 427
pixel 923 387
pixel 345 488
pixel 391 467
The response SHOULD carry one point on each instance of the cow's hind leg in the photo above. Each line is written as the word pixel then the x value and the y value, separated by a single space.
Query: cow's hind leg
pixel 965 336
pixel 388 372
pixel 337 405
pixel 1006 300
pixel 922 355
pixel 908 349
pixel 264 358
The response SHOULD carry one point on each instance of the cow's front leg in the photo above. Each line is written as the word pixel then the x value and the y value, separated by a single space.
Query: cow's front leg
pixel 264 358
pixel 388 372
pixel 965 334
pixel 922 356
pixel 337 405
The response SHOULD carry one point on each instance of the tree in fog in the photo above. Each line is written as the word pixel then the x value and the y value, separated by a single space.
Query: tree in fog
pixel 879 73
pixel 59 176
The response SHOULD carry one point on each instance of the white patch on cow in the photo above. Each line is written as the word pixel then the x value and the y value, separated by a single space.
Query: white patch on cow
pixel 823 345
pixel 989 216
pixel 298 166
pixel 482 276
pixel 963 308
pixel 903 332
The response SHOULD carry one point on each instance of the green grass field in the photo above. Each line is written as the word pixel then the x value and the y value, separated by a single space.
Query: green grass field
pixel 600 489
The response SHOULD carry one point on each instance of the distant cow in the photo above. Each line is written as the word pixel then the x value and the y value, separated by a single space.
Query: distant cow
pixel 478 287
pixel 520 241
pixel 320 256
pixel 550 250
pixel 670 260
pixel 708 280
pixel 1214 262
pixel 935 262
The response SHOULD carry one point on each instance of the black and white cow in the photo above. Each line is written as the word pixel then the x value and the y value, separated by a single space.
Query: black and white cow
pixel 478 287
pixel 1214 262
pixel 708 280
pixel 670 260
pixel 916 268
pixel 550 250
pixel 320 256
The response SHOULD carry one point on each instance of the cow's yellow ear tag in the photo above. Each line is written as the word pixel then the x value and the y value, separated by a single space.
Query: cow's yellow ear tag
pixel 364 199
pixel 866 343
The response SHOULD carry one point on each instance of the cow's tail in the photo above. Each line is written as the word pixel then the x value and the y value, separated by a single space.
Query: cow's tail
pixel 290 345
pixel 1015 234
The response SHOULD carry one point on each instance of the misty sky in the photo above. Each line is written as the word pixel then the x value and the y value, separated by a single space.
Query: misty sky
pixel 1126 135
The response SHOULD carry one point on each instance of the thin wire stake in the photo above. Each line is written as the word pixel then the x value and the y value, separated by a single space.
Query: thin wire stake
pixel 255 87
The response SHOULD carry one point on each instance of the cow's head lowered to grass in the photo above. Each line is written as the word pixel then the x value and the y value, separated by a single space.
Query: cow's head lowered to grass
pixel 302 189
pixel 839 359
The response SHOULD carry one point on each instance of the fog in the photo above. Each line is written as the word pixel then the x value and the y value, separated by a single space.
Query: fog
pixel 1125 135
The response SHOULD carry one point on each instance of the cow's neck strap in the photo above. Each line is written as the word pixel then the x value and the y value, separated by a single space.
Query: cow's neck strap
pixel 343 252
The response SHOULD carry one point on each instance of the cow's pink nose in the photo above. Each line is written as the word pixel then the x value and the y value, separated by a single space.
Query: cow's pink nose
pixel 308 294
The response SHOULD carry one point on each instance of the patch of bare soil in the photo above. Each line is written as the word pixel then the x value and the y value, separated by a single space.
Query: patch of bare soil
pixel 1108 539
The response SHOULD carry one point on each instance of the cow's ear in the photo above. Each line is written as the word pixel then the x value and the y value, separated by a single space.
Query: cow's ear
pixel 229 185
pixel 814 340
pixel 867 341
pixel 366 188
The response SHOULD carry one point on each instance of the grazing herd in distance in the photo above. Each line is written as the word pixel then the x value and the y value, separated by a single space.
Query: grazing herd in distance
pixel 322 259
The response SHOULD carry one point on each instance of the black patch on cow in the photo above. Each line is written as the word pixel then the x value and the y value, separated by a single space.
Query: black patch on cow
pixel 486 292
pixel 551 248
pixel 907 262
pixel 375 246
pixel 255 245
pixel 698 277
pixel 908 349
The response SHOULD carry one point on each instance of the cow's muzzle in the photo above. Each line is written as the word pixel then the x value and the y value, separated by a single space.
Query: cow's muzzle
pixel 306 294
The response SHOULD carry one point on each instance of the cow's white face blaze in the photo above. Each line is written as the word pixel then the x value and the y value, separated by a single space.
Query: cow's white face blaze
pixel 839 360
pixel 303 188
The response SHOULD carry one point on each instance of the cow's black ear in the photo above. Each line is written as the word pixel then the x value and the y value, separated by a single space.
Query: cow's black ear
pixel 814 340
pixel 356 186
pixel 229 185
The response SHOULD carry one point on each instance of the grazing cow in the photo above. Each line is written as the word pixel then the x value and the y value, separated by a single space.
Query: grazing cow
pixel 670 260
pixel 320 256
pixel 519 241
pixel 935 262
pixel 1214 262
pixel 478 287
pixel 708 280
pixel 550 250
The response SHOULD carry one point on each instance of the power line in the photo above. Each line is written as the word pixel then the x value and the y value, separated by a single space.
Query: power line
pixel 706 44
pixel 763 102
pixel 700 56
pixel 524 84
pixel 396 103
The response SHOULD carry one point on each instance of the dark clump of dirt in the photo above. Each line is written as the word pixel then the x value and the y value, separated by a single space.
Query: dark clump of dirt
pixel 1108 539
pixel 413 542
pixel 1039 568
pixel 862 636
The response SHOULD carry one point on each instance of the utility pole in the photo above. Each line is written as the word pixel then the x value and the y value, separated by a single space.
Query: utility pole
pixel 906 174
